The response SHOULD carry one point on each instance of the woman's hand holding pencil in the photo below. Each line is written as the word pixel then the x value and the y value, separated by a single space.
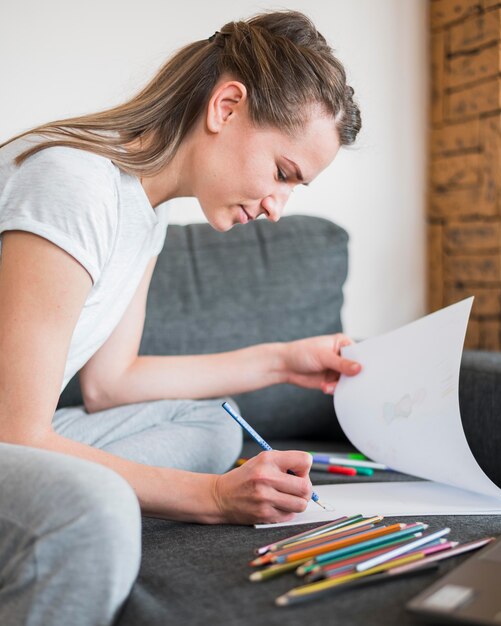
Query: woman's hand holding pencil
pixel 262 490
pixel 272 489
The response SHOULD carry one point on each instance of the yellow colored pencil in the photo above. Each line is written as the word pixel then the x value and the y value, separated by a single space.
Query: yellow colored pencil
pixel 273 570
pixel 312 589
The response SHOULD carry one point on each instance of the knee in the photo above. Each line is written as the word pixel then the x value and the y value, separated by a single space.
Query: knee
pixel 109 518
pixel 99 517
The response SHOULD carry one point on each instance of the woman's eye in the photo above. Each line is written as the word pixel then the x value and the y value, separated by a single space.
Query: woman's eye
pixel 281 176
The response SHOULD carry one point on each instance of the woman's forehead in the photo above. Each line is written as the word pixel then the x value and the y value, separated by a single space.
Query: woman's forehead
pixel 314 146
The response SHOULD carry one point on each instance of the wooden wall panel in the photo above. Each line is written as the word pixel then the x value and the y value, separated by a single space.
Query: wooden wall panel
pixel 464 207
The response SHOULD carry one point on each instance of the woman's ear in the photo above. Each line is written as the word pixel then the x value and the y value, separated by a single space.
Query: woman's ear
pixel 227 99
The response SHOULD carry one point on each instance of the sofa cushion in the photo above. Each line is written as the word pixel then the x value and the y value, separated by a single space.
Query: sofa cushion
pixel 260 282
pixel 480 402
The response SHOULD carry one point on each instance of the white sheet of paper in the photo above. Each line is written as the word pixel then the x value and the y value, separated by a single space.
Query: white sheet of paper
pixel 393 499
pixel 403 410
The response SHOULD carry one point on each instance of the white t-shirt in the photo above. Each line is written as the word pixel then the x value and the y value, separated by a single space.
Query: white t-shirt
pixel 100 215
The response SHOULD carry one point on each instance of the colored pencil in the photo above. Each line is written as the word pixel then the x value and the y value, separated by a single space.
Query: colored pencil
pixel 257 437
pixel 336 544
pixel 409 531
pixel 460 549
pixel 374 562
pixel 326 538
pixel 402 566
pixel 351 529
pixel 332 538
pixel 337 523
pixel 335 570
pixel 414 569
pixel 272 571
pixel 306 544
pixel 329 583
pixel 312 565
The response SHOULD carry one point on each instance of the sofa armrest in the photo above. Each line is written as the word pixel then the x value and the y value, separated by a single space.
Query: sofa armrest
pixel 480 402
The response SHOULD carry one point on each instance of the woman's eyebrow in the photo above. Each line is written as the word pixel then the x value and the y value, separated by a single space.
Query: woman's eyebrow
pixel 299 174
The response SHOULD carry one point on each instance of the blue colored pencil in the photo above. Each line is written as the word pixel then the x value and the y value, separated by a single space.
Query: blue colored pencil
pixel 393 554
pixel 257 437
pixel 409 531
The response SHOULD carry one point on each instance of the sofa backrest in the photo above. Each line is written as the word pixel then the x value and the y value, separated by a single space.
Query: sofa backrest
pixel 261 282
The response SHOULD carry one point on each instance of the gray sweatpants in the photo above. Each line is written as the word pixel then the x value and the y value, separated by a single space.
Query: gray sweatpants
pixel 70 530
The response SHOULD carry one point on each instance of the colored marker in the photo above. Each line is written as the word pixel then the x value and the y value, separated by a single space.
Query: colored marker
pixel 258 439
pixel 342 469
pixel 334 469
pixel 356 456
pixel 339 460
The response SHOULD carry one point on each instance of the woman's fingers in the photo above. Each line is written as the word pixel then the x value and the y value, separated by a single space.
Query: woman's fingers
pixel 263 489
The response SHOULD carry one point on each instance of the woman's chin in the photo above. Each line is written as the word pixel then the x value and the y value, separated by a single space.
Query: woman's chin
pixel 221 226
pixel 222 223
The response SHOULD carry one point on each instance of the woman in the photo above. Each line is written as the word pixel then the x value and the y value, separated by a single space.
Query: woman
pixel 235 121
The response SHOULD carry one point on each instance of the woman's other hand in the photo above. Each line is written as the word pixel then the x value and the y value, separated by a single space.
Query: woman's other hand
pixel 316 362
pixel 261 490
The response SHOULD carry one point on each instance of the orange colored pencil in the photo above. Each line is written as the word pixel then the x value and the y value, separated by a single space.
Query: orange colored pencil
pixel 296 555
pixel 352 528
pixel 322 539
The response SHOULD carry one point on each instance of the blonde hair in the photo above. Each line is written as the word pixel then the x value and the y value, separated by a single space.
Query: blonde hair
pixel 280 57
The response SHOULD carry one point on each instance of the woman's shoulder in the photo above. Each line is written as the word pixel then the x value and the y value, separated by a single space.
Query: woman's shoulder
pixel 65 157
pixel 57 167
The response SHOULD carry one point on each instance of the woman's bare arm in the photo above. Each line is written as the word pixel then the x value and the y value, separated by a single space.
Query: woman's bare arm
pixel 42 291
pixel 117 375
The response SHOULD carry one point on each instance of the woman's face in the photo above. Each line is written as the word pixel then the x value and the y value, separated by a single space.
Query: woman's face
pixel 239 172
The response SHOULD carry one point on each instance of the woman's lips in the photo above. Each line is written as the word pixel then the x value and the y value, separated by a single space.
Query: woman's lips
pixel 244 216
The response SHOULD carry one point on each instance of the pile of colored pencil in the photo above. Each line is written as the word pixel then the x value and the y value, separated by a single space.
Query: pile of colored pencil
pixel 355 550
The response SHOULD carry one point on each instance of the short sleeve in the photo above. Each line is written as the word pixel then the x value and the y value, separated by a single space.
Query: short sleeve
pixel 69 197
pixel 162 212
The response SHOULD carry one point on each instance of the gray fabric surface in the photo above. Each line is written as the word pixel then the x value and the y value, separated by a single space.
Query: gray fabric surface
pixel 480 401
pixel 267 282
pixel 197 575
pixel 260 282
pixel 163 433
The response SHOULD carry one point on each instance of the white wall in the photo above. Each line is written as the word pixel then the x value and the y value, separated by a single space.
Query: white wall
pixel 62 58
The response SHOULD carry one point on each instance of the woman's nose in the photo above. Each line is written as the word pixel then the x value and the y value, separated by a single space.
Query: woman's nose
pixel 274 205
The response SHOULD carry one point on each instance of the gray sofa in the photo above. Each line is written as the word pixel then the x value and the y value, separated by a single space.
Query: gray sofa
pixel 267 282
